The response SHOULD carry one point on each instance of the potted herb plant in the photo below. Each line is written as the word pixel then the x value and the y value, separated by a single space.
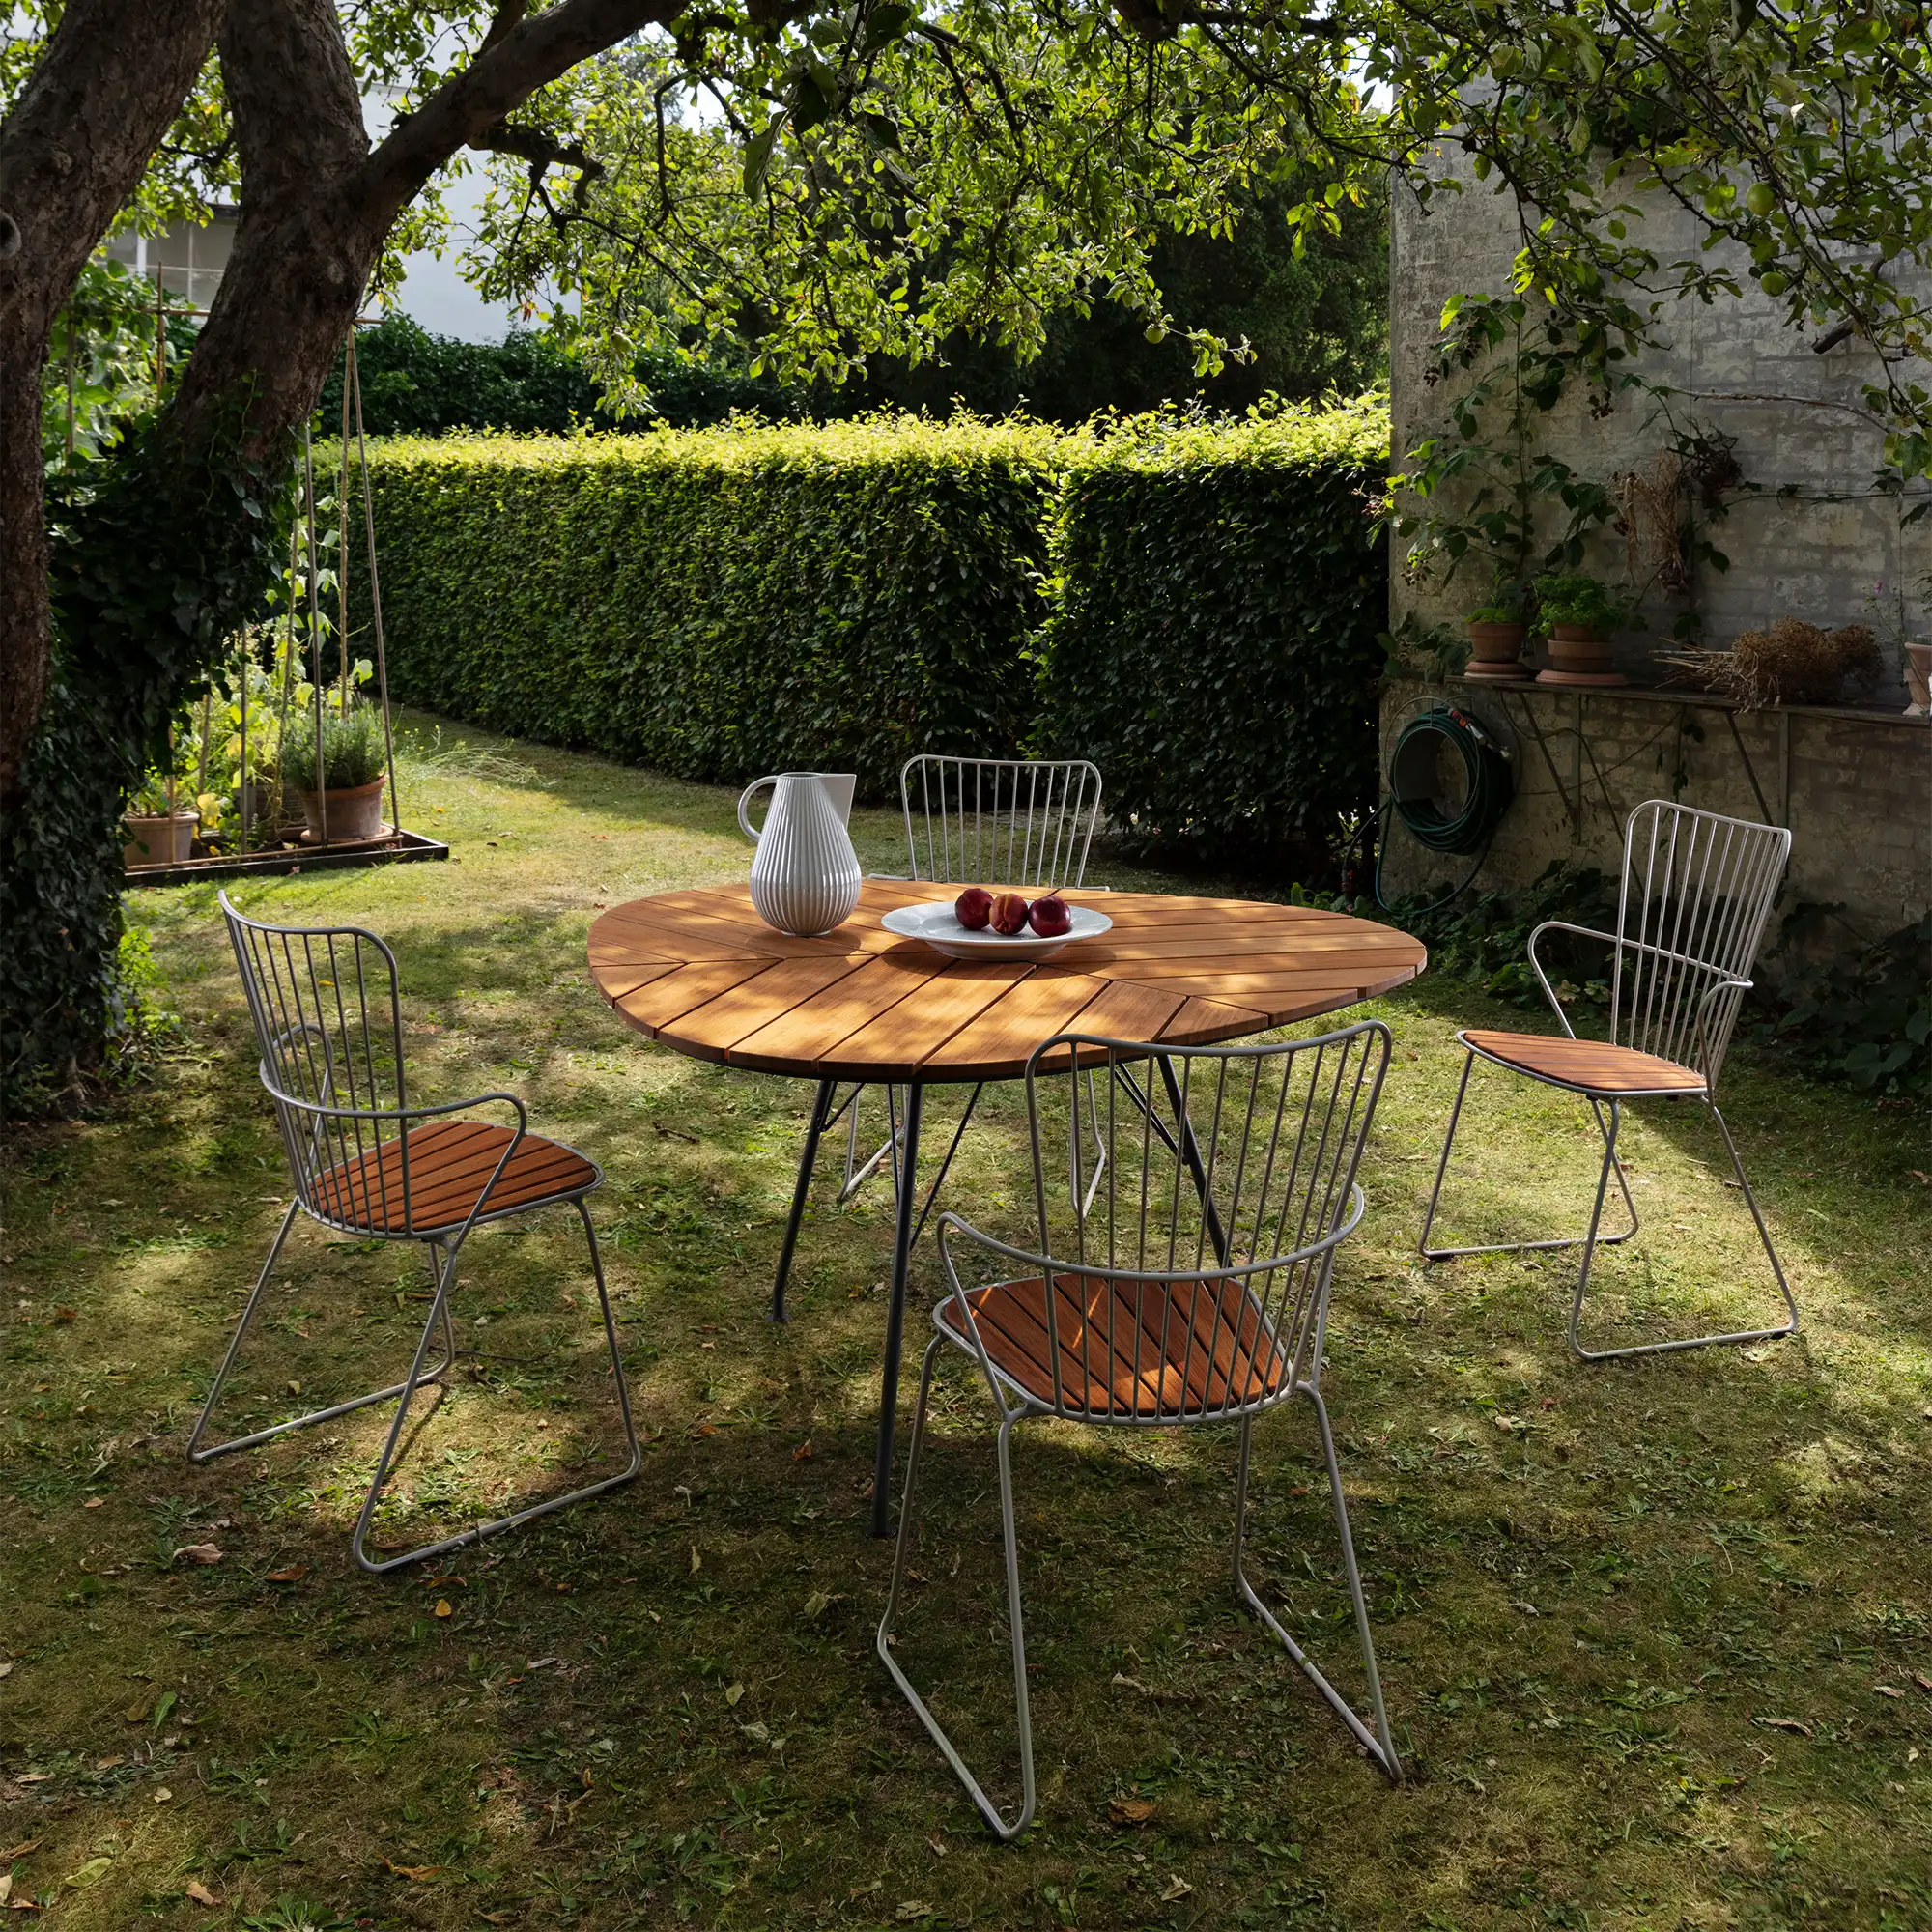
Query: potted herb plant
pixel 1577 615
pixel 159 823
pixel 1497 632
pixel 340 785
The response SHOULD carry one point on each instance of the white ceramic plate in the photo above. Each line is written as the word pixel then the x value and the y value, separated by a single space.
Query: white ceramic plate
pixel 939 926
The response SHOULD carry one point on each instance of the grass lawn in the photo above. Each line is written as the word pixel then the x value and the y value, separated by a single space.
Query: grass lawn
pixel 1656 1637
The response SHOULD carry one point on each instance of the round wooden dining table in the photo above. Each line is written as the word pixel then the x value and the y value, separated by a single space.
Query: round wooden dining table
pixel 698 971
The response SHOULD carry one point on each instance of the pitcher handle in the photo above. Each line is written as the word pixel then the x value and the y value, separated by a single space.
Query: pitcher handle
pixel 744 803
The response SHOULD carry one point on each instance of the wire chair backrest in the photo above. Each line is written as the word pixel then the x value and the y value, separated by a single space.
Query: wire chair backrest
pixel 1205 1258
pixel 1698 893
pixel 1000 821
pixel 329 1026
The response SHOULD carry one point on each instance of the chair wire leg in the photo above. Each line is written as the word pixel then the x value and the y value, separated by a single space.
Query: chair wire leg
pixel 1094 1116
pixel 440 1314
pixel 1594 1238
pixel 857 1173
pixel 197 1453
pixel 1697 1340
pixel 821 1110
pixel 908 1511
pixel 1379 1743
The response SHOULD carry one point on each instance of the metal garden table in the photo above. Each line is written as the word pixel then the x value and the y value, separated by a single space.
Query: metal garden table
pixel 698 971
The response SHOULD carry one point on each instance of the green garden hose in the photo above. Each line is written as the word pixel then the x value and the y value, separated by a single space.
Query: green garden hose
pixel 1413 795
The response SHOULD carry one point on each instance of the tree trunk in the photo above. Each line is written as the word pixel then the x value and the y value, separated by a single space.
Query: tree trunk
pixel 71 154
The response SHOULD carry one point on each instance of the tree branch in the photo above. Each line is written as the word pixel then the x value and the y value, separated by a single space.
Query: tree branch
pixel 542 151
pixel 506 72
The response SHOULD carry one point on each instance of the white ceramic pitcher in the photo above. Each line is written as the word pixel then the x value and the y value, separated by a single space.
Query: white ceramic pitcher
pixel 805 874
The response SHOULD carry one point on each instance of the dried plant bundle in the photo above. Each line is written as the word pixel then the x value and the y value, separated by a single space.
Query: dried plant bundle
pixel 1789 663
pixel 1649 520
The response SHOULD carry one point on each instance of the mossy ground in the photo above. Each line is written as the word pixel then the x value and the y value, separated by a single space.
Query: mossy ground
pixel 1656 1637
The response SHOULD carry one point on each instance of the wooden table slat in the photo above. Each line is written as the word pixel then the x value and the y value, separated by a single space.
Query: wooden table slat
pixel 654 1006
pixel 1046 1001
pixel 722 1023
pixel 923 1021
pixel 799 1039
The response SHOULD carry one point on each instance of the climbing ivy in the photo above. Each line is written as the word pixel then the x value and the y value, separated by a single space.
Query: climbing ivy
pixel 157 558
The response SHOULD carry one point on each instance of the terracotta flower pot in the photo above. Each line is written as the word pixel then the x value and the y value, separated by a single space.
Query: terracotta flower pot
pixel 159 839
pixel 334 816
pixel 1495 652
pixel 1919 679
pixel 1577 655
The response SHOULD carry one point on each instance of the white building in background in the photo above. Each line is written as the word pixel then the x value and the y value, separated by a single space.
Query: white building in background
pixel 189 259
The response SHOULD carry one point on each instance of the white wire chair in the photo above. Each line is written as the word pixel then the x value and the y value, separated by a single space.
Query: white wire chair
pixel 1696 895
pixel 328 1024
pixel 1013 822
pixel 1193 1286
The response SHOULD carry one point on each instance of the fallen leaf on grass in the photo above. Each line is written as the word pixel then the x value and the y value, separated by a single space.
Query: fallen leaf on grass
pixel 1918 1677
pixel 803 1452
pixel 199 1553
pixel 733 1694
pixel 6 1669
pixel 415 1873
pixel 1784 1725
pixel 136 1713
pixel 200 1894
pixel 1888 1690
pixel 913 1907
pixel 164 1796
pixel 443 1608
pixel 1131 1810
pixel 92 1870
pixel 92 1503
pixel 1177 1887
pixel 66 1315
pixel 21 1850
pixel 6 1886
pixel 696 1561
pixel 293 1573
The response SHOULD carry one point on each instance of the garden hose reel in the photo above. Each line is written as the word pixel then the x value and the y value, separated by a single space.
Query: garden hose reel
pixel 1433 815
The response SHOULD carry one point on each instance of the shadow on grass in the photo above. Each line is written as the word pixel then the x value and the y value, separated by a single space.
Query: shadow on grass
pixel 1639 1625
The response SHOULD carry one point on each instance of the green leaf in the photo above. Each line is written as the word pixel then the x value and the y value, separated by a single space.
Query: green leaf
pixel 759 154
pixel 884 24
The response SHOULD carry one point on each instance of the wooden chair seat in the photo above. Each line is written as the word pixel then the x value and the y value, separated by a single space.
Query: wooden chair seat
pixel 450 1164
pixel 1127 1350
pixel 1590 1066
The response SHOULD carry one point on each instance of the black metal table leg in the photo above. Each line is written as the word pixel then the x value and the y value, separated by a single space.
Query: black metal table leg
pixel 1190 1150
pixel 906 1177
pixel 821 1109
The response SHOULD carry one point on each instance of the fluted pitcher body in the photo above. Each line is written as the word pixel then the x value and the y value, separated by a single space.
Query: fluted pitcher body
pixel 805 874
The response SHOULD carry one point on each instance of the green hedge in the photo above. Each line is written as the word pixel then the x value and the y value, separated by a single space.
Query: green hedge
pixel 1216 597
pixel 1193 606
pixel 720 603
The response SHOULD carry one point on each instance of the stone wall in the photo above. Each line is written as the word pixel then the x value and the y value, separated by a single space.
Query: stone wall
pixel 1815 537
pixel 1813 541
pixel 1854 786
